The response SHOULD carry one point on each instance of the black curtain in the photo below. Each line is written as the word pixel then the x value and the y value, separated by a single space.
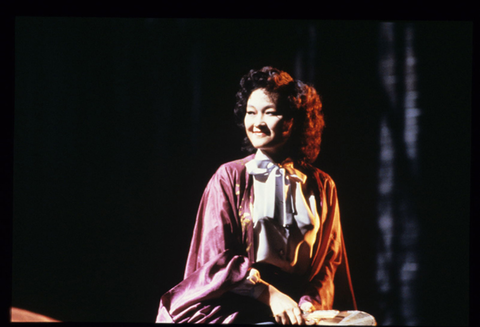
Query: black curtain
pixel 120 123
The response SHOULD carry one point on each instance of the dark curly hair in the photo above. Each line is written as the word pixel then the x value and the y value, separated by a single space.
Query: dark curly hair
pixel 296 100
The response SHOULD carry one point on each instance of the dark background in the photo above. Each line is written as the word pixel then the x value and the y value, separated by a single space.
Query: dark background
pixel 120 123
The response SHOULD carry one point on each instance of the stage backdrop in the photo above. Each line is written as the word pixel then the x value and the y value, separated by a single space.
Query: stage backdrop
pixel 120 123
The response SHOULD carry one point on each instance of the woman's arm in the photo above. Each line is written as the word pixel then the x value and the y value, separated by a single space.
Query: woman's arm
pixel 319 293
pixel 215 262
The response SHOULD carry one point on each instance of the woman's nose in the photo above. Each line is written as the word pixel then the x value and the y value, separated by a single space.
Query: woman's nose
pixel 259 120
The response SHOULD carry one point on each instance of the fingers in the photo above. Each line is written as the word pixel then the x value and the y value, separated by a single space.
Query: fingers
pixel 291 316
pixel 297 318
pixel 282 319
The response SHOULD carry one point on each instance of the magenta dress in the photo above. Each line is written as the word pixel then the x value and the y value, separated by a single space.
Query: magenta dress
pixel 222 252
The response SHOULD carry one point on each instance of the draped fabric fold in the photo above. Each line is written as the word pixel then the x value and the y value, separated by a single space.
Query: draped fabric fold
pixel 188 302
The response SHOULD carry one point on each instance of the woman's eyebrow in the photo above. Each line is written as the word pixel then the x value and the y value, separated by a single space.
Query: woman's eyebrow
pixel 268 106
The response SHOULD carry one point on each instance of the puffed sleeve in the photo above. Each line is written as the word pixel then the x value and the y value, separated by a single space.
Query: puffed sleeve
pixel 217 226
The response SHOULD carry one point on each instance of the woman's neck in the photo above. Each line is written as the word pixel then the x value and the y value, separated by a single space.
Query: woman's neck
pixel 278 156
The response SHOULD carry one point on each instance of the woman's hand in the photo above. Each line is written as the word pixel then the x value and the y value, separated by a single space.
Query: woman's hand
pixel 284 309
pixel 307 307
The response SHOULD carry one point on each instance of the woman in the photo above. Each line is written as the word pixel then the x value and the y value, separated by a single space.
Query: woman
pixel 267 242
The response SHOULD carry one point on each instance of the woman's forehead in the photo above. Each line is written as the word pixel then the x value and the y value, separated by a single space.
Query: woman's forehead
pixel 262 97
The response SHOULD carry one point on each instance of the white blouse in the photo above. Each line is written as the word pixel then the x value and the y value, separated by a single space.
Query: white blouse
pixel 285 215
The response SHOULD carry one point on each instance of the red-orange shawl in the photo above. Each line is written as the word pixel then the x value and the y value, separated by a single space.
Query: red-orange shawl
pixel 221 251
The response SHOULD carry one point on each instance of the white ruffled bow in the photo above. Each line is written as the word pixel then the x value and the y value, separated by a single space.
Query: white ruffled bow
pixel 277 178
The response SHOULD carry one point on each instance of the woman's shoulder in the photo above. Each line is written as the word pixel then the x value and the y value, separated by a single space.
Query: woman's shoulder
pixel 232 170
pixel 236 165
pixel 320 175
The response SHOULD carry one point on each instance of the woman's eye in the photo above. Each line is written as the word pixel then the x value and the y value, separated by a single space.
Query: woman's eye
pixel 271 113
pixel 250 113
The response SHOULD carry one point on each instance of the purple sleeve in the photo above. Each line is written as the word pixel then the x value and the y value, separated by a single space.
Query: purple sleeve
pixel 216 261
pixel 188 302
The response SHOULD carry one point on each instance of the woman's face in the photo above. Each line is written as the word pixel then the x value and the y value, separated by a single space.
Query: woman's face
pixel 265 126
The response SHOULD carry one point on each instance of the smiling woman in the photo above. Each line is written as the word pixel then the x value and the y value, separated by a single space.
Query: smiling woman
pixel 267 244
pixel 298 104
